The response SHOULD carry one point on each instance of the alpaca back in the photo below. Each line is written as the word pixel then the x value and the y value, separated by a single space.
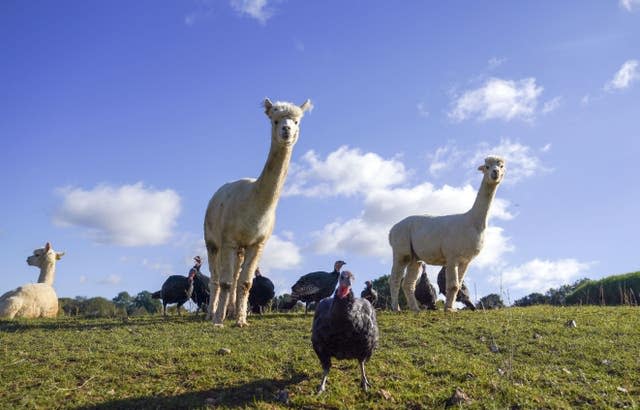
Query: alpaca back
pixel 29 301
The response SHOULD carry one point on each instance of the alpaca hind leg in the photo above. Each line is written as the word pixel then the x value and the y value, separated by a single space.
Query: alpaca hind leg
pixel 397 271
pixel 10 306
pixel 214 282
pixel 453 286
pixel 409 284
pixel 245 280
pixel 226 265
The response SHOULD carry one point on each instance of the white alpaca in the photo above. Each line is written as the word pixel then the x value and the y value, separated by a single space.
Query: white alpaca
pixel 34 299
pixel 449 240
pixel 241 215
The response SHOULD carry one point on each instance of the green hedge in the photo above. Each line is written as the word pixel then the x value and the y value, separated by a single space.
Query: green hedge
pixel 612 290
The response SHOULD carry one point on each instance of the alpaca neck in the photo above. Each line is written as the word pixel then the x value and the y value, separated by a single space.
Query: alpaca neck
pixel 269 184
pixel 47 273
pixel 480 210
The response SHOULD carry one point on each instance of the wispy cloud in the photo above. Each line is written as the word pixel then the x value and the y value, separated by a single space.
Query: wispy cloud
pixel 422 109
pixel 495 62
pixel 551 105
pixel 498 99
pixel 629 5
pixel 257 9
pixel 624 77
pixel 539 275
pixel 110 280
pixel 128 215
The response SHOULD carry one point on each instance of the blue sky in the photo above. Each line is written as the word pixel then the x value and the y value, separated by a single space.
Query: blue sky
pixel 119 120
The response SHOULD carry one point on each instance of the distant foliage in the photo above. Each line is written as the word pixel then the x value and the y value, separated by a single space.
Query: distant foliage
pixel 87 307
pixel 121 305
pixel 491 301
pixel 612 290
pixel 555 297
pixel 384 294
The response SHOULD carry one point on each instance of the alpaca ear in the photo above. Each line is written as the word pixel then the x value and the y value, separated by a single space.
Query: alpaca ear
pixel 59 255
pixel 306 106
pixel 47 246
pixel 267 105
pixel 481 168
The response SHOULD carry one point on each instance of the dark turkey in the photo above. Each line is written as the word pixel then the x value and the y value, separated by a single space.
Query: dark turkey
pixel 176 289
pixel 201 292
pixel 261 293
pixel 315 286
pixel 345 328
pixel 463 293
pixel 425 293
pixel 370 293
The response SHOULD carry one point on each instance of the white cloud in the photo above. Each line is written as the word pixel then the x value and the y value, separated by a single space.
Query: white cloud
pixel 422 110
pixel 521 162
pixel 539 275
pixel 627 75
pixel 258 9
pixel 129 215
pixel 551 105
pixel 546 148
pixel 585 100
pixel 280 254
pixel 346 171
pixel 83 279
pixel 499 99
pixel 385 202
pixel 159 266
pixel 110 280
pixel 444 158
pixel 629 5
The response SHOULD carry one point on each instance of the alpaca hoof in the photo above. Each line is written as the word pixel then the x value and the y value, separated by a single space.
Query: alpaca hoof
pixel 320 390
pixel 218 325
pixel 242 324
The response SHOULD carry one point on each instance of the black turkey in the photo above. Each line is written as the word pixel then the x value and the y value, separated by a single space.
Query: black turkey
pixel 425 293
pixel 261 293
pixel 315 286
pixel 463 293
pixel 176 289
pixel 345 328
pixel 370 293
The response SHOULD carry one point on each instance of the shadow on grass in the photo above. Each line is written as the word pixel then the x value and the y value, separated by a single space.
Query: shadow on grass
pixel 238 395
pixel 74 323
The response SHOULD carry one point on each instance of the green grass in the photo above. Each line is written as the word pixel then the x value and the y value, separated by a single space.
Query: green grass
pixel 150 362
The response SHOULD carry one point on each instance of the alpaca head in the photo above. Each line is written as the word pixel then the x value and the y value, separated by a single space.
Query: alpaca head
pixel 285 120
pixel 493 169
pixel 44 257
pixel 344 284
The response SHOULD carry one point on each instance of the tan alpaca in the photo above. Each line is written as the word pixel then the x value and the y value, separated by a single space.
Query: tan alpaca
pixel 241 215
pixel 34 299
pixel 448 240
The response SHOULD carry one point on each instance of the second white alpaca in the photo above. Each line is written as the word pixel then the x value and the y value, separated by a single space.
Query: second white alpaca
pixel 34 299
pixel 241 216
pixel 449 240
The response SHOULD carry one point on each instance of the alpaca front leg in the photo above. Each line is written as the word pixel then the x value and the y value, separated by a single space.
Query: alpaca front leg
pixel 397 271
pixel 409 284
pixel 231 307
pixel 252 257
pixel 453 286
pixel 226 266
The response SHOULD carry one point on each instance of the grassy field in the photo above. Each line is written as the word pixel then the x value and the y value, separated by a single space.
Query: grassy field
pixel 512 358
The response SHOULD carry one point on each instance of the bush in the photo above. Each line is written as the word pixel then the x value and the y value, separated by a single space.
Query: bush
pixel 612 290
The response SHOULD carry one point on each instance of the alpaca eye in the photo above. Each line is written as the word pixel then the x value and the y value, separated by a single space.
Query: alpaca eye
pixel 275 122
pixel 296 122
pixel 486 166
